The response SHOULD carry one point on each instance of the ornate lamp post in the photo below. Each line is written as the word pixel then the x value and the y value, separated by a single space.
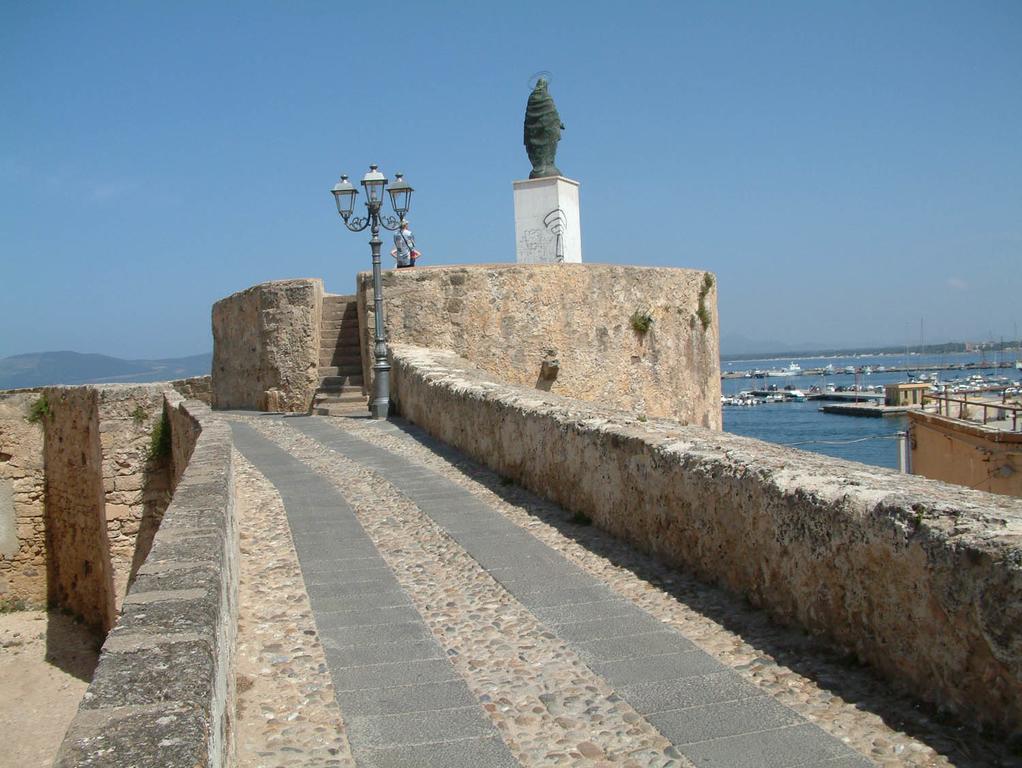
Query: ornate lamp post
pixel 344 194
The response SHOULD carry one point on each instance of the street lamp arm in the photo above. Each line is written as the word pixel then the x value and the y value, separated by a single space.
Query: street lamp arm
pixel 391 223
pixel 357 223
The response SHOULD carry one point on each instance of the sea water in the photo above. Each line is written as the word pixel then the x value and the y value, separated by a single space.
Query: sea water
pixel 802 425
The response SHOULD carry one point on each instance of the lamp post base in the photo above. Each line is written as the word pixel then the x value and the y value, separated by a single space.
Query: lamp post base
pixel 380 407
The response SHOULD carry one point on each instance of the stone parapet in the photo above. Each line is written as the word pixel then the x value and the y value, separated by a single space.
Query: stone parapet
pixel 918 578
pixel 266 346
pixel 162 693
pixel 566 329
pixel 196 388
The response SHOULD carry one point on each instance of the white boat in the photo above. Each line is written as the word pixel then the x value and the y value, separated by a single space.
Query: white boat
pixel 797 395
pixel 792 370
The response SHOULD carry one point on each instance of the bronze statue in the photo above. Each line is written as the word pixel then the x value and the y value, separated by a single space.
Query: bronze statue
pixel 543 128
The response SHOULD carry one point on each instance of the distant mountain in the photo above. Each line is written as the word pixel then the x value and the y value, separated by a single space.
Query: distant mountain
pixel 45 368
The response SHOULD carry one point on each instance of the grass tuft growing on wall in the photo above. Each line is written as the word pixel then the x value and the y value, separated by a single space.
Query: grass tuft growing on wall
pixel 39 410
pixel 139 415
pixel 641 320
pixel 702 313
pixel 159 441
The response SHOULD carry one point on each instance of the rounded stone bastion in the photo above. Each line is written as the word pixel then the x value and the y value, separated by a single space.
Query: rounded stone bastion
pixel 640 339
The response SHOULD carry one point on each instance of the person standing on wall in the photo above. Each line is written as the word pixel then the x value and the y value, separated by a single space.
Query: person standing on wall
pixel 404 247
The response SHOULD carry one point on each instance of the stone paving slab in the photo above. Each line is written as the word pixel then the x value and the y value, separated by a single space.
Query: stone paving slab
pixel 343 637
pixel 708 733
pixel 715 721
pixel 365 617
pixel 366 667
pixel 423 727
pixel 443 695
pixel 797 746
pixel 470 753
pixel 682 693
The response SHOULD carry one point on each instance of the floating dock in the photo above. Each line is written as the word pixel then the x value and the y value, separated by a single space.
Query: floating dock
pixel 847 397
pixel 875 410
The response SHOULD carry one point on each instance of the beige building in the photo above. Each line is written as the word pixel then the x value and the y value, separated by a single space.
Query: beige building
pixel 905 393
pixel 977 443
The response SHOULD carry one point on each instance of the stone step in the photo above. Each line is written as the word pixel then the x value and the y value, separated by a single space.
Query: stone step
pixel 339 310
pixel 338 324
pixel 340 384
pixel 336 314
pixel 346 340
pixel 348 331
pixel 340 357
pixel 345 369
pixel 335 370
pixel 341 409
pixel 334 399
pixel 345 357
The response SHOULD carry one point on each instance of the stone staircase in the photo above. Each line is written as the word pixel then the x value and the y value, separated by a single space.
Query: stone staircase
pixel 340 359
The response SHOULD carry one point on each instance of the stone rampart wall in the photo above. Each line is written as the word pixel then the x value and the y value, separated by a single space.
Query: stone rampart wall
pixel 921 579
pixel 511 318
pixel 136 486
pixel 60 542
pixel 162 693
pixel 79 572
pixel 22 514
pixel 196 388
pixel 266 346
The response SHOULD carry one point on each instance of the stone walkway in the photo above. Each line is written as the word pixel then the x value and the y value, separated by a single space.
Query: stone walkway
pixel 461 629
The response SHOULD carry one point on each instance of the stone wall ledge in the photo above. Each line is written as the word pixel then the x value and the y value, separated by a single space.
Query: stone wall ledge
pixel 921 579
pixel 162 693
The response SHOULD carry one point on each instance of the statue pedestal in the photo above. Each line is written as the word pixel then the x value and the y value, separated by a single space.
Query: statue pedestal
pixel 547 226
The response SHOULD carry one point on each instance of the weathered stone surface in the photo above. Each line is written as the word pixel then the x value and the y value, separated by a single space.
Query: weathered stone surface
pixel 134 487
pixel 919 578
pixel 509 319
pixel 78 551
pixel 176 737
pixel 266 346
pixel 22 534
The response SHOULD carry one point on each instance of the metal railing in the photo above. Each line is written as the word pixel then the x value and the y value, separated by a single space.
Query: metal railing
pixel 1004 410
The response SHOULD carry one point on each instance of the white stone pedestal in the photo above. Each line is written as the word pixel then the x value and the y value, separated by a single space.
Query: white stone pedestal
pixel 547 221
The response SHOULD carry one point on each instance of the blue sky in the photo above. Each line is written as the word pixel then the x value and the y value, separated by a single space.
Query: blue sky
pixel 845 168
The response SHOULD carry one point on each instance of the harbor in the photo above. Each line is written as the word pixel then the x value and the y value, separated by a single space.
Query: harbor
pixel 794 369
pixel 819 405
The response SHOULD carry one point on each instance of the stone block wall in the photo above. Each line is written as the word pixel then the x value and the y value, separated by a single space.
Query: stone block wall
pixel 136 487
pixel 162 693
pixel 920 579
pixel 80 576
pixel 516 320
pixel 22 522
pixel 86 498
pixel 266 347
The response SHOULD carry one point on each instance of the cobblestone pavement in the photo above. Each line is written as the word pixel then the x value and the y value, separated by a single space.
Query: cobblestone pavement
pixel 287 712
pixel 558 681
